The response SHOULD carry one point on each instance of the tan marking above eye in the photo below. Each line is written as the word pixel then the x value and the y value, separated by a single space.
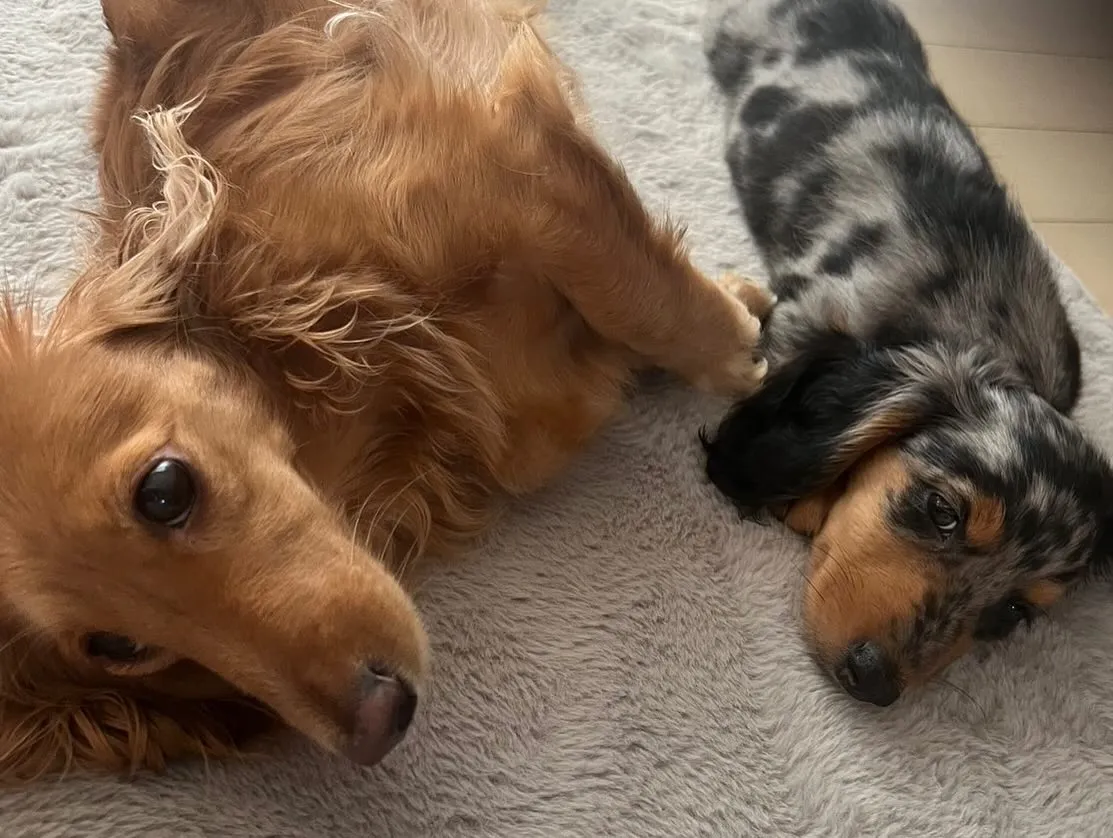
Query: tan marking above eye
pixel 1044 593
pixel 985 525
pixel 866 578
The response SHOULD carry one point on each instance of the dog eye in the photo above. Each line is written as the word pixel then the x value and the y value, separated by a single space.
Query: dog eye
pixel 942 514
pixel 1019 611
pixel 113 647
pixel 166 494
pixel 1002 619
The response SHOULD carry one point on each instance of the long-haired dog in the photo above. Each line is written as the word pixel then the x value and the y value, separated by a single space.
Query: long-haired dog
pixel 360 271
pixel 914 422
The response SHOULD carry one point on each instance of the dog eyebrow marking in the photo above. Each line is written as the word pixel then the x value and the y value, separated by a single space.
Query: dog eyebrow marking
pixel 1044 593
pixel 985 526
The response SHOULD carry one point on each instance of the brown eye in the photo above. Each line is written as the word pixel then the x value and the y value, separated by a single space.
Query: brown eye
pixel 114 647
pixel 166 494
pixel 1019 611
pixel 942 514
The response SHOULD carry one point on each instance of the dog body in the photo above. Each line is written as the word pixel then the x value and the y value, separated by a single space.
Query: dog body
pixel 921 362
pixel 359 271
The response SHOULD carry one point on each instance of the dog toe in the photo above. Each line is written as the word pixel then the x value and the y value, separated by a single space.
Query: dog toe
pixel 755 296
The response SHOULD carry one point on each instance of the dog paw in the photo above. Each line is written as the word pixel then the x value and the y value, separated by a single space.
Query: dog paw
pixel 758 299
pixel 730 362
pixel 739 376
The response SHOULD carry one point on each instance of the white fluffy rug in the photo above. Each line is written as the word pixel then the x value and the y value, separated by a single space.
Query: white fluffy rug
pixel 622 657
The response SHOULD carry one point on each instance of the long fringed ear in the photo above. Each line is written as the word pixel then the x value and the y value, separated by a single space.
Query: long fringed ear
pixel 141 283
pixel 329 333
pixel 114 733
pixel 174 228
pixel 52 723
pixel 818 415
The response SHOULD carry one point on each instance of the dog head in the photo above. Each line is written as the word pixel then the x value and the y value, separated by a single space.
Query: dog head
pixel 172 574
pixel 946 501
pixel 165 566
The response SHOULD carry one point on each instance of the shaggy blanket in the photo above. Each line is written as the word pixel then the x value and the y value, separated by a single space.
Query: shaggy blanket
pixel 622 655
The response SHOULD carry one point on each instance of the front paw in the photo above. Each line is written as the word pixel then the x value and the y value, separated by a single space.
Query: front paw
pixel 738 368
pixel 757 298
pixel 738 376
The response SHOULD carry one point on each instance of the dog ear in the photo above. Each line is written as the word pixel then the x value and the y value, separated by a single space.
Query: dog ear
pixel 51 722
pixel 819 414
pixel 116 733
pixel 144 281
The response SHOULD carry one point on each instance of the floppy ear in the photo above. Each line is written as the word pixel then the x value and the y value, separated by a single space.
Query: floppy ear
pixel 140 282
pixel 52 723
pixel 823 411
pixel 183 266
pixel 107 732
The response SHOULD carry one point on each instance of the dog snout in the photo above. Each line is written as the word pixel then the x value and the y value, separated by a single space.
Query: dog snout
pixel 385 708
pixel 867 673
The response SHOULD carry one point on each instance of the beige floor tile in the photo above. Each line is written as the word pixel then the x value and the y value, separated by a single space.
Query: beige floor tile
pixel 1087 249
pixel 1026 90
pixel 1059 27
pixel 1056 176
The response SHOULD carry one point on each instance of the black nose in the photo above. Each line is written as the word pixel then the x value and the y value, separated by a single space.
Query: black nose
pixel 404 699
pixel 868 674
pixel 405 712
pixel 384 710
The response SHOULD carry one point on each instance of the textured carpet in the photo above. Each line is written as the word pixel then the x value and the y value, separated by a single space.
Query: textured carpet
pixel 622 657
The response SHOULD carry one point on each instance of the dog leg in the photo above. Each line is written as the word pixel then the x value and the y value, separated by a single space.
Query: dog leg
pixel 725 358
pixel 629 277
pixel 652 300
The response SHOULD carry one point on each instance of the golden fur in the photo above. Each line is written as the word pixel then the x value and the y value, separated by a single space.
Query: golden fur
pixel 363 269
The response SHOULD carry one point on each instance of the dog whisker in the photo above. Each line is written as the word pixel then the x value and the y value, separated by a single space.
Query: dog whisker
pixel 965 694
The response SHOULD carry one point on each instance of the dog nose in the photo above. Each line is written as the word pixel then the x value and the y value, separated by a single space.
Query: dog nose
pixel 386 706
pixel 868 674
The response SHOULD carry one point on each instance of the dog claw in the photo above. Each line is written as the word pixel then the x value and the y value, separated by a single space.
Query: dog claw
pixel 739 377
